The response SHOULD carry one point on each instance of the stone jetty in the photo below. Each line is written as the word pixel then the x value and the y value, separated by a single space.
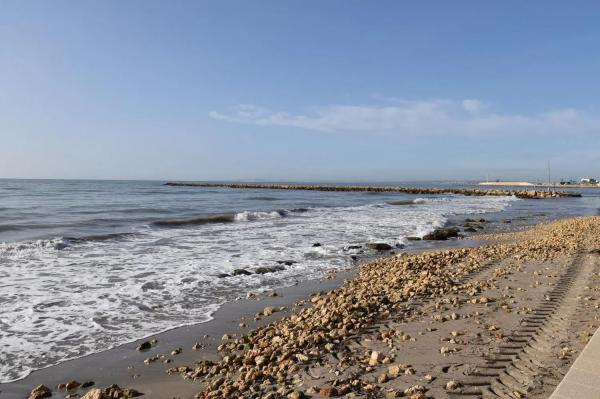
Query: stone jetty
pixel 531 194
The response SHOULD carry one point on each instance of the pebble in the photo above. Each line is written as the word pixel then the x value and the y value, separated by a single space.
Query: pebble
pixel 269 310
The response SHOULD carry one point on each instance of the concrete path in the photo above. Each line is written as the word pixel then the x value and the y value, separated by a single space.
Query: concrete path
pixel 583 378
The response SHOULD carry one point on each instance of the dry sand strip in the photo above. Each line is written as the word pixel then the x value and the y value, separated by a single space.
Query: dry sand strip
pixel 501 320
pixel 531 194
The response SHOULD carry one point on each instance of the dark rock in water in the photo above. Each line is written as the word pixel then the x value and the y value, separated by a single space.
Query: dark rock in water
pixel 60 246
pixel 286 262
pixel 87 384
pixel 353 247
pixel 399 245
pixel 316 244
pixel 471 224
pixel 223 275
pixel 470 229
pixel 354 257
pixel 401 202
pixel 272 269
pixel 475 221
pixel 300 210
pixel 241 272
pixel 379 246
pixel 152 285
pixel 413 238
pixel 144 346
pixel 508 221
pixel 41 391
pixel 442 234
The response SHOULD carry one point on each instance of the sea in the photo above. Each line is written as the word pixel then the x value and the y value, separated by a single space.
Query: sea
pixel 87 265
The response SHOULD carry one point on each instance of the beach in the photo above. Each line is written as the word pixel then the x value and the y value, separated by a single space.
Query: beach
pixel 88 266
pixel 292 200
pixel 501 318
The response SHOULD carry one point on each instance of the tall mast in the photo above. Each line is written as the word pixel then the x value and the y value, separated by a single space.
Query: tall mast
pixel 549 175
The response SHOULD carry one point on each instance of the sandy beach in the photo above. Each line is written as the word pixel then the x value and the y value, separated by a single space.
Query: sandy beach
pixel 299 199
pixel 504 319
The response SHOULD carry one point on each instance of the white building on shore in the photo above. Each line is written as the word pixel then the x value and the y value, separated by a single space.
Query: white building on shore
pixel 589 180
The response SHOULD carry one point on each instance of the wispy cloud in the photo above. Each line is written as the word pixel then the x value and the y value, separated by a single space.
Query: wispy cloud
pixel 415 118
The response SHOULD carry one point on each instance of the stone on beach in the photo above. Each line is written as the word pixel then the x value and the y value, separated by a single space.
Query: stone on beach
pixel 71 385
pixel 375 358
pixel 176 351
pixel 144 346
pixel 394 370
pixel 328 392
pixel 95 393
pixel 41 391
pixel 452 385
pixel 442 234
pixel 269 310
pixel 379 246
pixel 116 392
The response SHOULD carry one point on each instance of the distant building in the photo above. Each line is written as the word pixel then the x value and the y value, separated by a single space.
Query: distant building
pixel 588 180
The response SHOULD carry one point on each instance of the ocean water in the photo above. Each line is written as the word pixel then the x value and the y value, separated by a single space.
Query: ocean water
pixel 88 265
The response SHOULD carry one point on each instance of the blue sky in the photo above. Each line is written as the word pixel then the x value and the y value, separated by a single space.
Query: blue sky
pixel 299 90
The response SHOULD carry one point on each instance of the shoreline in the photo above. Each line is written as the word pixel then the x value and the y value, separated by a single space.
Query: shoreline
pixel 115 362
pixel 124 365
pixel 529 194
pixel 124 355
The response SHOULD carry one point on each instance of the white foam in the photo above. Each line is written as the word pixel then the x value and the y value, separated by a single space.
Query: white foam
pixel 90 296
pixel 249 216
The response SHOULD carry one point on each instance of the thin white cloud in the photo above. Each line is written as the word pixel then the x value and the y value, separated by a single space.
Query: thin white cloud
pixel 472 106
pixel 417 118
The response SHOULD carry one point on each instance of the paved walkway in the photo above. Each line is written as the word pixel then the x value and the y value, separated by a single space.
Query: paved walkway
pixel 583 379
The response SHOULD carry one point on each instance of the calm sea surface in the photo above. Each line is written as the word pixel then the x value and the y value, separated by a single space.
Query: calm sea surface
pixel 88 265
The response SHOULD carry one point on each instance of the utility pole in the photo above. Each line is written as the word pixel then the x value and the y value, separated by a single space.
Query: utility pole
pixel 549 175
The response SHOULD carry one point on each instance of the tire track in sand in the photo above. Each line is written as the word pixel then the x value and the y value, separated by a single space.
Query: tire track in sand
pixel 530 356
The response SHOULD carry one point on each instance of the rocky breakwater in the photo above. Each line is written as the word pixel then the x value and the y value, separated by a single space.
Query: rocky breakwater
pixel 532 194
pixel 272 361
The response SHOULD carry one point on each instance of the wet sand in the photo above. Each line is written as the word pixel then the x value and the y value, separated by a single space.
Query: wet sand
pixel 499 320
pixel 124 365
